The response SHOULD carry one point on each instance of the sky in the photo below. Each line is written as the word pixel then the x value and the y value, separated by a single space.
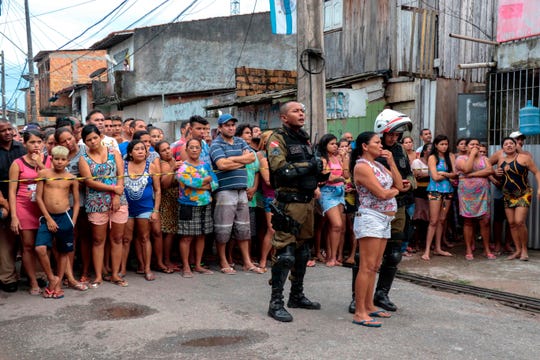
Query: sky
pixel 68 24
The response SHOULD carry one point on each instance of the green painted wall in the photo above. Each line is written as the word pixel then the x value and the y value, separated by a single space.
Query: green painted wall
pixel 356 125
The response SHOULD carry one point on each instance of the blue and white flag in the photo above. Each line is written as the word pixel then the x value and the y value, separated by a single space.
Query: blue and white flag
pixel 283 16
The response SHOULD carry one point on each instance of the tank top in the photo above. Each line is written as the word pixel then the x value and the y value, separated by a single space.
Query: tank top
pixel 26 190
pixel 336 170
pixel 139 191
pixel 514 177
pixel 444 185
pixel 101 201
pixel 366 199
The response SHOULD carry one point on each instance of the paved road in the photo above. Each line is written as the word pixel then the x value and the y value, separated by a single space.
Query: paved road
pixel 224 317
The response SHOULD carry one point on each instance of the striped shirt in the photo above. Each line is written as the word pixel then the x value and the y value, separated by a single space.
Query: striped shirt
pixel 229 179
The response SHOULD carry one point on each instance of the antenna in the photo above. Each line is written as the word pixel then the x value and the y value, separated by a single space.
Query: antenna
pixel 235 7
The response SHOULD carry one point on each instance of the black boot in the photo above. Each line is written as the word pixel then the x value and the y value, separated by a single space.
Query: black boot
pixel 387 273
pixel 297 299
pixel 282 263
pixel 355 268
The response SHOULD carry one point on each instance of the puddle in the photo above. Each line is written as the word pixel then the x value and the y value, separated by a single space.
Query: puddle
pixel 215 341
pixel 122 312
pixel 105 309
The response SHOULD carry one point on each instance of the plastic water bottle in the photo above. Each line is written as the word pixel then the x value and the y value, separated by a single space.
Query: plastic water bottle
pixel 529 119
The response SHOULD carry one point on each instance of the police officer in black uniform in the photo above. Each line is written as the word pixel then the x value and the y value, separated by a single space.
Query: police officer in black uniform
pixel 295 173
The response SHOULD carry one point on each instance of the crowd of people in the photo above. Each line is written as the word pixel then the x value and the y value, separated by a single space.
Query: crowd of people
pixel 120 197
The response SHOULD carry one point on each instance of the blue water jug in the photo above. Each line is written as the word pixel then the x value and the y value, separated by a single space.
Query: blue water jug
pixel 529 119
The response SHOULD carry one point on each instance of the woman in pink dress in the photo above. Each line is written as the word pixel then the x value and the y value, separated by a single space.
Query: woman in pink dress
pixel 24 210
pixel 474 198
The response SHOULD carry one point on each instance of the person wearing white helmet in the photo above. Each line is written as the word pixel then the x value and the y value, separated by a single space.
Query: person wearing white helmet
pixel 390 125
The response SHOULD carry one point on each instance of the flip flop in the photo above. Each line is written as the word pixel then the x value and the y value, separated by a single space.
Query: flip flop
pixel 149 276
pixel 95 284
pixel 78 286
pixel 35 291
pixel 380 314
pixel 228 271
pixel 255 270
pixel 368 323
pixel 187 275
pixel 204 272
pixel 311 263
pixel 120 282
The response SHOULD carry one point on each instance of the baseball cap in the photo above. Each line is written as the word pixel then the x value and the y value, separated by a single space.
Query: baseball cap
pixel 31 126
pixel 516 134
pixel 226 117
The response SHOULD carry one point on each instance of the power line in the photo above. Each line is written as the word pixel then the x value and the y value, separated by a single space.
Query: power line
pixel 97 23
pixel 49 12
pixel 148 13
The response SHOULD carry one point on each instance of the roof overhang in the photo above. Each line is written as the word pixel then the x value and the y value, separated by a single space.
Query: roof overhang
pixel 112 39
pixel 277 95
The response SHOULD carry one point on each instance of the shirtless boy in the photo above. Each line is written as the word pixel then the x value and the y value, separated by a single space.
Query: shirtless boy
pixel 57 221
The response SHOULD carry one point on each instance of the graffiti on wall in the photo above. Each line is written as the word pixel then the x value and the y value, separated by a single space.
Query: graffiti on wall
pixel 345 103
pixel 337 105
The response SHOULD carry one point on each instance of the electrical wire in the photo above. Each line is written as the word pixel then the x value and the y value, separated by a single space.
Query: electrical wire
pixel 95 24
pixel 243 43
pixel 145 15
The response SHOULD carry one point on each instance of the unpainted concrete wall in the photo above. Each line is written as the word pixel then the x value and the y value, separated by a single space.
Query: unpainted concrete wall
pixel 202 55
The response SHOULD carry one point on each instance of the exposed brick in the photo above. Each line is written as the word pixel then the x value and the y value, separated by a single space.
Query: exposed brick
pixel 241 93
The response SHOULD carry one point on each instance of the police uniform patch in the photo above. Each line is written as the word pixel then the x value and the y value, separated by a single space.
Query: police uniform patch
pixel 275 151
pixel 274 144
pixel 295 149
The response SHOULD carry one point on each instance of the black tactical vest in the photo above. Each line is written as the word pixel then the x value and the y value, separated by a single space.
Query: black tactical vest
pixel 298 151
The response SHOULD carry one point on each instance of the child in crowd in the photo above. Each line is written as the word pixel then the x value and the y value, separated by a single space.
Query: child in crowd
pixel 52 197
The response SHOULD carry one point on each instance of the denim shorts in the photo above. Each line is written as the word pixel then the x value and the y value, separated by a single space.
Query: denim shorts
pixel 145 215
pixel 331 196
pixel 371 223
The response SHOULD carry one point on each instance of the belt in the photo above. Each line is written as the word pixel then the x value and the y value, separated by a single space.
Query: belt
pixel 293 197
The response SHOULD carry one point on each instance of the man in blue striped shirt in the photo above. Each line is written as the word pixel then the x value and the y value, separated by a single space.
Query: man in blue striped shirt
pixel 229 155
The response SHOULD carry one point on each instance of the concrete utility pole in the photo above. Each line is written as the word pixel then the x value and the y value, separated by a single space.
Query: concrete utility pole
pixel 33 111
pixel 311 76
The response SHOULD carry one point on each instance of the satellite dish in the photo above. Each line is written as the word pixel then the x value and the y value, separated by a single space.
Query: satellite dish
pixel 97 72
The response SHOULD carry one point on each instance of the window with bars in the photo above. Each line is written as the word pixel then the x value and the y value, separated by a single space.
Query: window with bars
pixel 507 93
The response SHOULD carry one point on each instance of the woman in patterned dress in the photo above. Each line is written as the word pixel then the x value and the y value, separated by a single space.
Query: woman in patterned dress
pixel 474 197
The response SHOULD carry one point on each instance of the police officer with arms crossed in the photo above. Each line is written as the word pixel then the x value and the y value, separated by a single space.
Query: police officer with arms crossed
pixel 295 173
pixel 390 125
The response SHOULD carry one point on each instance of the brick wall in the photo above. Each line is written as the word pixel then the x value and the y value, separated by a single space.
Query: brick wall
pixel 251 81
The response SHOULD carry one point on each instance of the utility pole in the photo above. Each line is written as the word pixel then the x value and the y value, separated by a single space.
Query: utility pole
pixel 33 111
pixel 3 86
pixel 311 82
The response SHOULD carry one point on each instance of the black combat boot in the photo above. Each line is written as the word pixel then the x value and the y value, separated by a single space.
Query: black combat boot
pixel 387 273
pixel 280 268
pixel 355 268
pixel 297 299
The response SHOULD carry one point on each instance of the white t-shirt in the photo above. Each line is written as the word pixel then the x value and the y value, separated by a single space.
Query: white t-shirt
pixel 106 141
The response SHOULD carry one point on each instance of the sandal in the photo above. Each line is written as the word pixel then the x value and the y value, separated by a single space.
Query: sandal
pixel 149 276
pixel 53 294
pixel 120 282
pixel 95 284
pixel 84 279
pixel 78 286
pixel 166 270
pixel 35 291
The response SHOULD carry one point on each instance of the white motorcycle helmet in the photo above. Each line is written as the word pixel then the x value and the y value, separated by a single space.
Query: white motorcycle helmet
pixel 391 121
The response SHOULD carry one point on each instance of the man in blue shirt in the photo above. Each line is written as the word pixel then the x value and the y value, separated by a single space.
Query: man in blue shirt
pixel 229 156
